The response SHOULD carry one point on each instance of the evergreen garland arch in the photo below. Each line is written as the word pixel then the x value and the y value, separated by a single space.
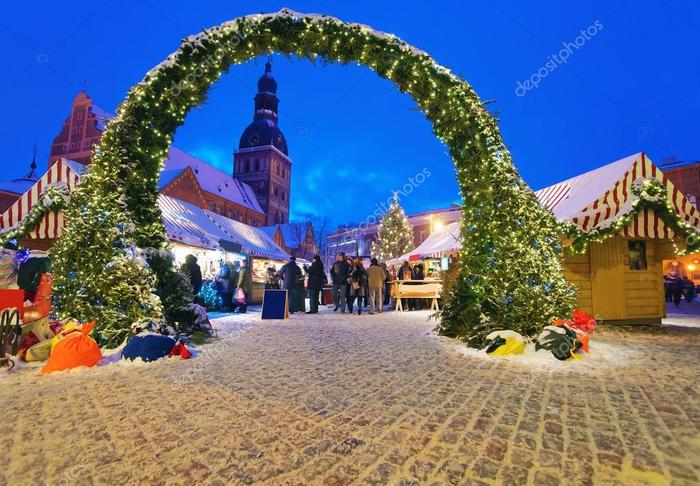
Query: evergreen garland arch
pixel 510 269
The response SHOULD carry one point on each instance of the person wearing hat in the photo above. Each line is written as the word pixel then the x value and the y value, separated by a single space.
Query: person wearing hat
pixel 289 273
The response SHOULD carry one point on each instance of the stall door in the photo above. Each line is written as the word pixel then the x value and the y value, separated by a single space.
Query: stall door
pixel 608 279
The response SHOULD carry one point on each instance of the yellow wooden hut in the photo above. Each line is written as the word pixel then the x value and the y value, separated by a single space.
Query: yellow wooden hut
pixel 624 219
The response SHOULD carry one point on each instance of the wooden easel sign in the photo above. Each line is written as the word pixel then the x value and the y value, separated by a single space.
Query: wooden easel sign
pixel 275 305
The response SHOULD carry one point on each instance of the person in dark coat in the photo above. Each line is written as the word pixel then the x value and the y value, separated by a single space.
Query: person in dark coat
pixel 340 271
pixel 223 285
pixel 417 273
pixel 387 284
pixel 317 279
pixel 404 273
pixel 192 270
pixel 357 287
pixel 675 288
pixel 289 274
pixel 348 287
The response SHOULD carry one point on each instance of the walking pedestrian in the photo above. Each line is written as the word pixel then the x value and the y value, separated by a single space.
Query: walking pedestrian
pixel 317 279
pixel 339 278
pixel 358 278
pixel 375 282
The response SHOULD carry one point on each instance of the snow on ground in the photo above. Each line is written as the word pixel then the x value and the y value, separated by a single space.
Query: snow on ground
pixel 602 354
pixel 230 327
pixel 686 314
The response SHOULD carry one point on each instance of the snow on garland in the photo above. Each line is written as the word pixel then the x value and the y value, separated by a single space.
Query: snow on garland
pixel 54 198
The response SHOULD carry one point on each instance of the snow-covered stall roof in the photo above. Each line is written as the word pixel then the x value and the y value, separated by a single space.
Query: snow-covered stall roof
pixel 189 224
pixel 596 199
pixel 64 173
pixel 253 240
pixel 442 242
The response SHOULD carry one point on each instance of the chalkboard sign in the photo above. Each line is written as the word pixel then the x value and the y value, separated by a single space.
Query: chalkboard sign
pixel 274 304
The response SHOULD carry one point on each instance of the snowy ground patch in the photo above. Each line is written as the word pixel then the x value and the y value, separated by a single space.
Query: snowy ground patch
pixel 602 355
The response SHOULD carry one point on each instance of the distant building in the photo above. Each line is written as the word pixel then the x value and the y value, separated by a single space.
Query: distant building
pixel 262 160
pixel 357 239
pixel 297 239
pixel 683 175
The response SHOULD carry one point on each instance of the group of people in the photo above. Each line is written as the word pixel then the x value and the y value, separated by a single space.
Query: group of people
pixel 353 285
pixel 233 282
pixel 676 287
pixel 291 278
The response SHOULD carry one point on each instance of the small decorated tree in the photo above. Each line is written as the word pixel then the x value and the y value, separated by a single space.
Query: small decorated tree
pixel 395 235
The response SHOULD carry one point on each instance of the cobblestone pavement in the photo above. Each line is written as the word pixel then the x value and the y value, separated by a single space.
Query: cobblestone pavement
pixel 368 399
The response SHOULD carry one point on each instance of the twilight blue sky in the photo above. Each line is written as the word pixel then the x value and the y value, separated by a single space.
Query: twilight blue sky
pixel 634 85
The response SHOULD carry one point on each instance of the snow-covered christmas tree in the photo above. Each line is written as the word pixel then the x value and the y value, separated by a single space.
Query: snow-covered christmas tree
pixel 395 235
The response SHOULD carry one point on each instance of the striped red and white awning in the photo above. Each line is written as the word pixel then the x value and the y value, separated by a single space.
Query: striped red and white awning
pixel 596 199
pixel 63 172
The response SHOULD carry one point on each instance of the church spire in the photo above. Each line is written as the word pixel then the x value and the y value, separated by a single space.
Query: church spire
pixel 32 172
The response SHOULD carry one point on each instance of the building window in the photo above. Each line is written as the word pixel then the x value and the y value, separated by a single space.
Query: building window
pixel 277 169
pixel 212 206
pixel 637 251
pixel 284 173
pixel 246 166
pixel 276 192
pixel 257 165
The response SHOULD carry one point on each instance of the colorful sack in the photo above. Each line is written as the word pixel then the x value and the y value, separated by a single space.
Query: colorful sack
pixel 148 347
pixel 504 343
pixel 180 350
pixel 39 352
pixel 560 340
pixel 74 350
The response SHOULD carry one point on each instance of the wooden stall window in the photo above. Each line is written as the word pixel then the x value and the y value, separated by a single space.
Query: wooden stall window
pixel 637 251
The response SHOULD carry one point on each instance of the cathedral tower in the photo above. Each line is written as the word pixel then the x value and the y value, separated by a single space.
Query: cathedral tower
pixel 262 160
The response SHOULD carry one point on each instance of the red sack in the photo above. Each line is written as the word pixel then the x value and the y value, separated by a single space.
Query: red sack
pixel 180 350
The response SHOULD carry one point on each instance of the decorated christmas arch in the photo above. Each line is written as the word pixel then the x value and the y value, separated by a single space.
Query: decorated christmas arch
pixel 510 269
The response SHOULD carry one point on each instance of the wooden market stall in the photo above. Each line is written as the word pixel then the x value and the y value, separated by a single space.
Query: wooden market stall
pixel 627 218
pixel 632 218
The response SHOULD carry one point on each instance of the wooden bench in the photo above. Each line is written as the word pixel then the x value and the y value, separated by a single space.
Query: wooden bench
pixel 416 289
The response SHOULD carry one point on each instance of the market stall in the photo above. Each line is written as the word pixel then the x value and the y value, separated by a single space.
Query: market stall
pixel 191 232
pixel 255 243
pixel 435 253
